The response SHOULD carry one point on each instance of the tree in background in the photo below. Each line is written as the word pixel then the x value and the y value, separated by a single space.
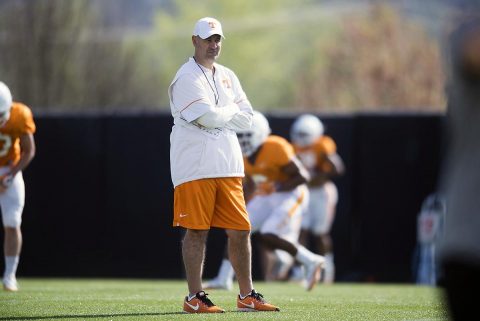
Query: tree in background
pixel 379 61
pixel 53 57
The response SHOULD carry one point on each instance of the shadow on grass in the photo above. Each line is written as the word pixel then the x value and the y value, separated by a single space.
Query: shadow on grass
pixel 89 316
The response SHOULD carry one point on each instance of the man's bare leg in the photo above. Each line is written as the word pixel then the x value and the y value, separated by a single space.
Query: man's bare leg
pixel 193 251
pixel 240 255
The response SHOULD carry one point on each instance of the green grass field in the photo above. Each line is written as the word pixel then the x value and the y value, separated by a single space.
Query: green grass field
pixel 92 299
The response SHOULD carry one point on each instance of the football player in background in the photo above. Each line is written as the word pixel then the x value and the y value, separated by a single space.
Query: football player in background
pixel 17 149
pixel 276 194
pixel 318 153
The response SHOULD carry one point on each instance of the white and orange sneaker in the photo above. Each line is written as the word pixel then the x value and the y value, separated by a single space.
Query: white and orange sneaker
pixel 254 302
pixel 200 303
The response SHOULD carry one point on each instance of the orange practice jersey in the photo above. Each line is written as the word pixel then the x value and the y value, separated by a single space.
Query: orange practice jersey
pixel 275 153
pixel 314 156
pixel 19 123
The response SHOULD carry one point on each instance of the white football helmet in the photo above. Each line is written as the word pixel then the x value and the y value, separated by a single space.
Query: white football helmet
pixel 305 130
pixel 252 138
pixel 5 103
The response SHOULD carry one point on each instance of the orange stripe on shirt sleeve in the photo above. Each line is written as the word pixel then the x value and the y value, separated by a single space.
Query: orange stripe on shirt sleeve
pixel 191 104
pixel 241 100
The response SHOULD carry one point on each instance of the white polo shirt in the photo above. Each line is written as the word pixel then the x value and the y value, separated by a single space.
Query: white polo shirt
pixel 197 152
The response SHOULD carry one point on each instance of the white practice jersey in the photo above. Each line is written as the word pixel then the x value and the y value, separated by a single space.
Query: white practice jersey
pixel 198 152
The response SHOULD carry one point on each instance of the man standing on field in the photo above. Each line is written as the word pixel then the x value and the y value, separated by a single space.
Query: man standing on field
pixel 208 105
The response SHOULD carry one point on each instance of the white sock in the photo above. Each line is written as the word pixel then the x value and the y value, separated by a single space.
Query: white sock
pixel 226 272
pixel 329 268
pixel 304 256
pixel 329 259
pixel 11 264
pixel 244 296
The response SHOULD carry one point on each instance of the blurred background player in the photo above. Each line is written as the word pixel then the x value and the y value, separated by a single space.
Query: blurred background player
pixel 276 196
pixel 318 153
pixel 459 248
pixel 430 222
pixel 17 149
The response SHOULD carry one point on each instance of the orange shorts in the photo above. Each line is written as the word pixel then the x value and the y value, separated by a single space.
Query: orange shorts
pixel 211 202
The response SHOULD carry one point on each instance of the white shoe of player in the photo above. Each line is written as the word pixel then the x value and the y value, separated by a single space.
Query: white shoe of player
pixel 313 272
pixel 218 284
pixel 10 283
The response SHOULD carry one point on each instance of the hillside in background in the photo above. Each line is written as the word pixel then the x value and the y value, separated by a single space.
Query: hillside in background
pixel 140 13
pixel 335 56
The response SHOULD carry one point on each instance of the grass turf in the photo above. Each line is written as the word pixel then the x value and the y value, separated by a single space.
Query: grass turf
pixel 98 299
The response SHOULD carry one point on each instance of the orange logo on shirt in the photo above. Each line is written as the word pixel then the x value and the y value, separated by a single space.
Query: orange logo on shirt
pixel 226 83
